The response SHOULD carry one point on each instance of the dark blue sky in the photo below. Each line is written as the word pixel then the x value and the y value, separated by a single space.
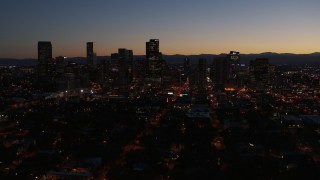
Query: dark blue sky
pixel 183 26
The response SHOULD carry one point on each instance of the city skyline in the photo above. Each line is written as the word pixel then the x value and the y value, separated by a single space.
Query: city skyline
pixel 167 89
pixel 184 27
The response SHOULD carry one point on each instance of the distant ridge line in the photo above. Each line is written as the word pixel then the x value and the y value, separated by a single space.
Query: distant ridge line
pixel 275 58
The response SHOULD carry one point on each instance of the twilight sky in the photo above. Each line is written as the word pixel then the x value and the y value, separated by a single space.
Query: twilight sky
pixel 183 26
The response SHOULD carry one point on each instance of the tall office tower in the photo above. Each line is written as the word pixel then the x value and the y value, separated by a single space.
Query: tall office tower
pixel 154 60
pixel 234 67
pixel 152 48
pixel 202 72
pixel 220 72
pixel 186 70
pixel 60 65
pixel 46 66
pixel 130 65
pixel 259 71
pixel 60 72
pixel 44 59
pixel 186 65
pixel 104 74
pixel 71 76
pixel 91 55
pixel 139 70
pixel 125 58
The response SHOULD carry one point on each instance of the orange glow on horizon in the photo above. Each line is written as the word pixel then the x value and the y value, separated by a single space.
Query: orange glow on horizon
pixel 168 49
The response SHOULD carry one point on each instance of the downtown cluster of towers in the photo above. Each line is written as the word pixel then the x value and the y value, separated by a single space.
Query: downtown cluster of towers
pixel 58 74
pixel 119 73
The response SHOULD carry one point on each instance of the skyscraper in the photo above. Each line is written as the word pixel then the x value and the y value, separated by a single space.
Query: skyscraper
pixel 152 49
pixel 234 67
pixel 130 65
pixel 202 72
pixel 154 60
pixel 139 69
pixel 104 74
pixel 60 72
pixel 125 62
pixel 186 65
pixel 60 65
pixel 220 72
pixel 124 58
pixel 44 59
pixel 186 69
pixel 259 71
pixel 91 55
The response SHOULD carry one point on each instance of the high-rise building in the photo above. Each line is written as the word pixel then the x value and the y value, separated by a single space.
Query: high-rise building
pixel 91 60
pixel 91 55
pixel 139 70
pixel 46 66
pixel 202 72
pixel 71 78
pixel 104 74
pixel 60 65
pixel 152 49
pixel 130 65
pixel 220 72
pixel 60 72
pixel 44 59
pixel 259 71
pixel 154 60
pixel 124 58
pixel 186 65
pixel 186 69
pixel 234 67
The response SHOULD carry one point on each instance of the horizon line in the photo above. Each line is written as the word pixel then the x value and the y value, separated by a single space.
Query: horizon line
pixel 177 55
